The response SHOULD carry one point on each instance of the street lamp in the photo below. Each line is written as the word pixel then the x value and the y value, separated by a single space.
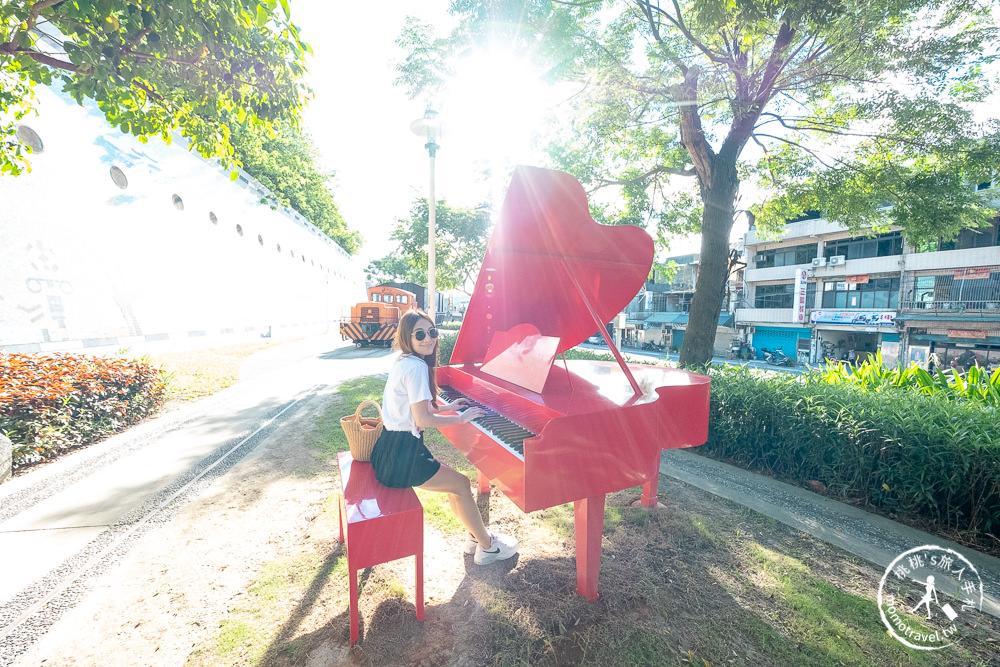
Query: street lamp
pixel 430 127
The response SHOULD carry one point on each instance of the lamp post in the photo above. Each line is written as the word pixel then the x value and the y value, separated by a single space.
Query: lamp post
pixel 430 127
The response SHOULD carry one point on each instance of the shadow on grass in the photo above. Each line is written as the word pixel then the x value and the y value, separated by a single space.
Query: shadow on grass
pixel 676 588
pixel 699 581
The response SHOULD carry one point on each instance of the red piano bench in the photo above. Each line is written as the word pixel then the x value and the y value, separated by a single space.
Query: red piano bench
pixel 379 524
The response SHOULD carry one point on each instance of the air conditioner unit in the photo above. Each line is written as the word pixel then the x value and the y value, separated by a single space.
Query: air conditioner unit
pixel 838 260
pixel 819 261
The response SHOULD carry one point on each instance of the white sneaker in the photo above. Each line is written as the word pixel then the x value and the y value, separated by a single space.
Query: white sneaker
pixel 503 547
pixel 470 544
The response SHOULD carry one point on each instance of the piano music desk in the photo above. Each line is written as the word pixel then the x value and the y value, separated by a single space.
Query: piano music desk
pixel 379 524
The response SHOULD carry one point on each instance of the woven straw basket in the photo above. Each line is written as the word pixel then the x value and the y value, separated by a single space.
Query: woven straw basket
pixel 362 432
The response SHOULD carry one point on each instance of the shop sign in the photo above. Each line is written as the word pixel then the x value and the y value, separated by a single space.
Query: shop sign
pixel 966 333
pixel 868 318
pixel 972 274
pixel 801 287
pixel 856 280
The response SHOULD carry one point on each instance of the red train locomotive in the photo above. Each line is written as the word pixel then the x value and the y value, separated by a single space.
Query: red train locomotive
pixel 374 322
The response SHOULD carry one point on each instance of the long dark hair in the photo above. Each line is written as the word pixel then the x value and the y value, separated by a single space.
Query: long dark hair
pixel 404 343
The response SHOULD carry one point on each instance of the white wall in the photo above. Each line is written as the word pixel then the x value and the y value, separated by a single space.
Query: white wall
pixel 82 259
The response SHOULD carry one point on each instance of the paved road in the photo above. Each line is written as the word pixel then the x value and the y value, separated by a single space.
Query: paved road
pixel 716 361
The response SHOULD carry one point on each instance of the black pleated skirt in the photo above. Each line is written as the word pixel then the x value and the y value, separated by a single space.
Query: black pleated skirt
pixel 401 460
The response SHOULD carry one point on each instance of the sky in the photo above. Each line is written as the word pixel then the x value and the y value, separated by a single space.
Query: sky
pixel 360 122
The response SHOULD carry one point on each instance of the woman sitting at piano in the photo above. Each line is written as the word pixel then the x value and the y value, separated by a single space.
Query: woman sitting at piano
pixel 409 405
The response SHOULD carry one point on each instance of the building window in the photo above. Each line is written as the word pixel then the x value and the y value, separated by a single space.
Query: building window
pixel 787 256
pixel 883 245
pixel 781 296
pixel 982 237
pixel 877 293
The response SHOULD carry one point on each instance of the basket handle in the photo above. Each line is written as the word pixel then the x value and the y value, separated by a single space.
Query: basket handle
pixel 357 413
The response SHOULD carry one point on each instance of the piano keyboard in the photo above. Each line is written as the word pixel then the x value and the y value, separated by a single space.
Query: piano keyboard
pixel 499 428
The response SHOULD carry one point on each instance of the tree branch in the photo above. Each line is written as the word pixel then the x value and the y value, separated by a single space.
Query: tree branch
pixel 33 15
pixel 816 126
pixel 767 159
pixel 655 171
pixel 138 38
pixel 808 125
pixel 775 61
pixel 654 25
pixel 45 59
pixel 804 149
pixel 648 9
pixel 194 60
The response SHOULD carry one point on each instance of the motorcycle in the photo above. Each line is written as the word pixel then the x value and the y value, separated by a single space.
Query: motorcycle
pixel 777 358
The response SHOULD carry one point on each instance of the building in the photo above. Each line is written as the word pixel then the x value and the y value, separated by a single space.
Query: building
pixel 819 293
pixel 658 315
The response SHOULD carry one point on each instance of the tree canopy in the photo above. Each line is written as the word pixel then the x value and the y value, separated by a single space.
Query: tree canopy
pixel 154 66
pixel 461 235
pixel 287 164
pixel 842 106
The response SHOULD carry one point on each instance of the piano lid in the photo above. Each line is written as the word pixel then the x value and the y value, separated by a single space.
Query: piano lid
pixel 550 265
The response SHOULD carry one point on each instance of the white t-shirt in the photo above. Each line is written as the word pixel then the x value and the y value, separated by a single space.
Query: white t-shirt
pixel 407 384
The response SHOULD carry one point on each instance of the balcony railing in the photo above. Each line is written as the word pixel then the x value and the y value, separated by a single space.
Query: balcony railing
pixel 950 306
pixel 658 303
pixel 639 311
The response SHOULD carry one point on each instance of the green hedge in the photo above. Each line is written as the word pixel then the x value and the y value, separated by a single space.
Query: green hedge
pixel 898 449
pixel 49 403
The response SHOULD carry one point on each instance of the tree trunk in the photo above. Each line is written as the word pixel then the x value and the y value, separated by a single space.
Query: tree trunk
pixel 719 198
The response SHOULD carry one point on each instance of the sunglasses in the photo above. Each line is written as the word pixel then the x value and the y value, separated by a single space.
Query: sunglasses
pixel 421 334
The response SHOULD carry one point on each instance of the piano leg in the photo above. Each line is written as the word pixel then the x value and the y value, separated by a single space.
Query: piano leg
pixel 649 488
pixel 649 491
pixel 588 520
pixel 484 484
